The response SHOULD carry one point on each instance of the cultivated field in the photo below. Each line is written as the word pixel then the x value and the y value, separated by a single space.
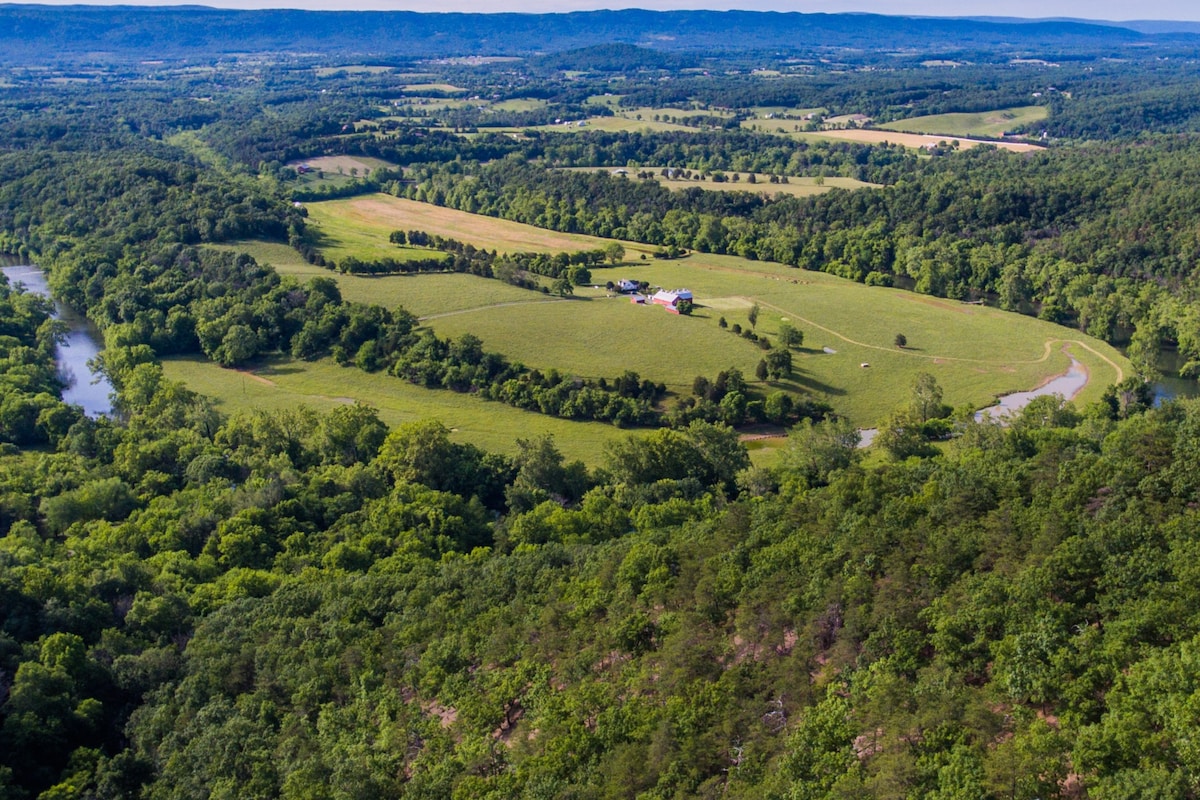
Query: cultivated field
pixel 988 123
pixel 283 383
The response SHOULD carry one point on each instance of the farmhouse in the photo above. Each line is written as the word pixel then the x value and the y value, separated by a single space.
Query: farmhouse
pixel 625 286
pixel 670 299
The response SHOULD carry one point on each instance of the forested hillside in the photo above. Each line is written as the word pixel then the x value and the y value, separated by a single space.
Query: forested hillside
pixel 204 603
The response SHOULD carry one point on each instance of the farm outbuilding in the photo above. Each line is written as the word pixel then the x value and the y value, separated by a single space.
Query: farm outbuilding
pixel 670 299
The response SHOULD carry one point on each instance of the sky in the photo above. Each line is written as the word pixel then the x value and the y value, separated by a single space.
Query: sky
pixel 1034 9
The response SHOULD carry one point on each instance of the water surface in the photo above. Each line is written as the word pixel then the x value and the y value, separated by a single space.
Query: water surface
pixel 84 386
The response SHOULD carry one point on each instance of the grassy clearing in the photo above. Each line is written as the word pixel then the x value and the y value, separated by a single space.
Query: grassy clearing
pixel 796 187
pixel 519 104
pixel 976 353
pixel 371 218
pixel 343 164
pixel 283 383
pixel 423 295
pixel 915 140
pixel 358 69
pixel 434 104
pixel 447 88
pixel 649 113
pixel 988 123
pixel 353 228
pixel 607 124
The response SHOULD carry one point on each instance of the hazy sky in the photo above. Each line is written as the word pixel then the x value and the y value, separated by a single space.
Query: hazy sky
pixel 1087 9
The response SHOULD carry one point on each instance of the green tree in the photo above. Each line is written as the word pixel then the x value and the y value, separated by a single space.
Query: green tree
pixel 790 336
pixel 752 315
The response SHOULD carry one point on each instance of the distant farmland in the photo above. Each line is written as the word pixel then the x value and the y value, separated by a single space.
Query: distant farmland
pixel 986 123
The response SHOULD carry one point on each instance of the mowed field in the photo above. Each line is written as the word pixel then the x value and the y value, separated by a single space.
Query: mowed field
pixel 282 383
pixel 795 129
pixel 987 123
pixel 795 187
pixel 362 224
pixel 423 295
pixel 975 352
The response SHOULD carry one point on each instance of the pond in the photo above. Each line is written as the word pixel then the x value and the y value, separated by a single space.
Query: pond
pixel 84 386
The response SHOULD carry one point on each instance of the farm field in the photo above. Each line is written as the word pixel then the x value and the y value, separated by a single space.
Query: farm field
pixel 363 220
pixel 915 139
pixel 796 187
pixel 423 295
pixel 343 164
pixel 975 352
pixel 354 69
pixel 281 383
pixel 616 124
pixel 447 88
pixel 988 123
pixel 795 129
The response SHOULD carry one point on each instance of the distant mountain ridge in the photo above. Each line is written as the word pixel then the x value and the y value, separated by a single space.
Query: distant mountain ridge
pixel 35 33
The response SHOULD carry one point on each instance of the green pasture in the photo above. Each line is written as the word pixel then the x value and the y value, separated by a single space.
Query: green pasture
pixel 342 235
pixel 356 69
pixel 795 187
pixel 363 224
pixel 649 113
pixel 281 383
pixel 975 352
pixel 986 123
pixel 424 295
pixel 762 112
pixel 417 88
pixel 607 124
pixel 519 104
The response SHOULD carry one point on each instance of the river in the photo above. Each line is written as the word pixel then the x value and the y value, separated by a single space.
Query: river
pixel 84 386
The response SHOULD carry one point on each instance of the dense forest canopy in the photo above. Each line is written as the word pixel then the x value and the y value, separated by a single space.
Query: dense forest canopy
pixel 201 604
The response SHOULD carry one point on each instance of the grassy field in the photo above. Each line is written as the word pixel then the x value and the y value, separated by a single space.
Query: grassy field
pixel 607 124
pixel 283 383
pixel 447 88
pixel 358 69
pixel 423 295
pixel 914 140
pixel 363 224
pixel 976 353
pixel 796 187
pixel 343 164
pixel 518 104
pixel 988 123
